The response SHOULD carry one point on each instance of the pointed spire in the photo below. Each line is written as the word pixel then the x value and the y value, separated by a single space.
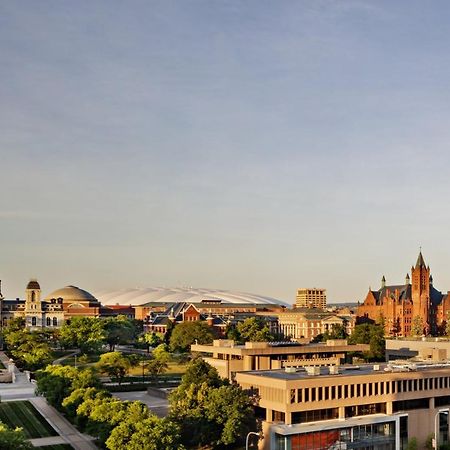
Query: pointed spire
pixel 407 279
pixel 383 282
pixel 420 261
pixel 431 280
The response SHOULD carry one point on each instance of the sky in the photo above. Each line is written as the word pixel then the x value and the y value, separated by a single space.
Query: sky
pixel 253 145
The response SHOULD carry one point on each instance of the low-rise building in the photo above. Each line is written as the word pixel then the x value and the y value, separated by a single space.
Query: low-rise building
pixel 229 358
pixel 364 407
pixel 307 323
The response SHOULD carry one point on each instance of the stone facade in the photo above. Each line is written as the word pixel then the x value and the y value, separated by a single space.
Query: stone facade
pixel 413 308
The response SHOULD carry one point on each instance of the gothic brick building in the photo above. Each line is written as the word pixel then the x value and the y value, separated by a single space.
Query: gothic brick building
pixel 410 307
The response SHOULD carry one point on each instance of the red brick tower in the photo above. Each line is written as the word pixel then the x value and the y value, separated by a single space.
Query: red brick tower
pixel 420 292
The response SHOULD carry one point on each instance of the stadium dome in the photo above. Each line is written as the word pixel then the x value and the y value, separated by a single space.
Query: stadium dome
pixel 140 296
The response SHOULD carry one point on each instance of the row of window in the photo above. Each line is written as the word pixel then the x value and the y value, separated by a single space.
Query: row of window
pixel 322 393
pixel 49 321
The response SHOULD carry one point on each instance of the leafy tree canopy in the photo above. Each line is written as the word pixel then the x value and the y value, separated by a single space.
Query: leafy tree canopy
pixel 115 364
pixel 13 439
pixel 370 334
pixel 151 433
pixel 252 329
pixel 209 410
pixel 58 382
pixel 119 330
pixel 187 333
pixel 86 333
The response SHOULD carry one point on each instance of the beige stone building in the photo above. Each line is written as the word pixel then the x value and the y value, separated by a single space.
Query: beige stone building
pixel 308 323
pixel 311 298
pixel 367 407
pixel 229 358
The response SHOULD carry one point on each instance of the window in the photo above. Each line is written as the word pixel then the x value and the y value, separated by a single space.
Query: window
pixel 55 322
pixel 48 321
pixel 33 321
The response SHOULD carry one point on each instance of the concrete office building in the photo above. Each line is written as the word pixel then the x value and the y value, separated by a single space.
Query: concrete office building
pixel 229 358
pixel 311 298
pixel 363 407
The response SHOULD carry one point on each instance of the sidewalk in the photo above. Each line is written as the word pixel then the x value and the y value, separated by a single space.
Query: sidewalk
pixel 66 430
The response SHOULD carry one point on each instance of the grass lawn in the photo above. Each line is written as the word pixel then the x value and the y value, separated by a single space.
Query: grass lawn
pixel 23 414
pixel 174 368
pixel 82 360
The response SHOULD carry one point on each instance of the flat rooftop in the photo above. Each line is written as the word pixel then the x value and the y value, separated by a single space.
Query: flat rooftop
pixel 351 370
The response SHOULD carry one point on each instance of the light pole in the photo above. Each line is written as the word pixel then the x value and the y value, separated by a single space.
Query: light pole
pixel 248 435
pixel 436 426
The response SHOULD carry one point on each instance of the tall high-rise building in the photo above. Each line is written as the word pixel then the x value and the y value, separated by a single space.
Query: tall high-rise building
pixel 311 298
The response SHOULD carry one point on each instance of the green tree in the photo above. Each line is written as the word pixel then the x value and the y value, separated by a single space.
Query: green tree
pixel 55 383
pixel 15 439
pixel 30 349
pixel 161 353
pixel 417 326
pixel 79 396
pixel 412 444
pixel 85 333
pixel 119 330
pixel 150 434
pixel 187 333
pixel 152 339
pixel 210 411
pixel 374 336
pixel 254 329
pixel 115 365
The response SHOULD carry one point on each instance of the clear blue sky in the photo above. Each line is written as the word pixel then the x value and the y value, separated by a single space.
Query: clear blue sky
pixel 250 145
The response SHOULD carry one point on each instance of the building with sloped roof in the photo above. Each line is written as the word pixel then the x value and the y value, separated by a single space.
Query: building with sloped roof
pixel 415 307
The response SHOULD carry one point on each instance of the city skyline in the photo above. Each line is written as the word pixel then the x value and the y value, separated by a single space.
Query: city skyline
pixel 257 147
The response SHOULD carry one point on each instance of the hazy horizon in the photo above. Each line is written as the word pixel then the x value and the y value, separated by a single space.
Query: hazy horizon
pixel 254 146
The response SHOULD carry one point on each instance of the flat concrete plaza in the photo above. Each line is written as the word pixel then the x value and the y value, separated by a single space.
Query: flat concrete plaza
pixel 159 406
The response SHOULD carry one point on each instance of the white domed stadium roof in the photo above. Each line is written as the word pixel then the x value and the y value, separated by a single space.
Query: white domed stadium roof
pixel 140 296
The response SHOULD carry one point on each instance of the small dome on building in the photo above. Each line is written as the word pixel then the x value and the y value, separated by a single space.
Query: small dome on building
pixel 33 284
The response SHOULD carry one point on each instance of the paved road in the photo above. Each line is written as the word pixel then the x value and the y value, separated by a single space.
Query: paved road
pixel 159 406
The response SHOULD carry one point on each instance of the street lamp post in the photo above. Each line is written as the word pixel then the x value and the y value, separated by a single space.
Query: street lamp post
pixel 436 426
pixel 248 435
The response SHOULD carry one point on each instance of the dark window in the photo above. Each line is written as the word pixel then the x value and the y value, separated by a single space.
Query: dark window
pixel 403 433
pixel 405 405
pixel 315 415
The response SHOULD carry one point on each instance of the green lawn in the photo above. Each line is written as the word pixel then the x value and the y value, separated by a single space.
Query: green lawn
pixel 23 414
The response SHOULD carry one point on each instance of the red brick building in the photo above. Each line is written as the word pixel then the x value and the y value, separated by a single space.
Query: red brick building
pixel 410 307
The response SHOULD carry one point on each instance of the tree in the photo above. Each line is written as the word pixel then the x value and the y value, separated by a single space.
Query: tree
pixel 29 348
pixel 85 333
pixel 186 333
pixel 55 383
pixel 412 444
pixel 447 325
pixel 115 365
pixel 254 329
pixel 210 411
pixel 79 396
pixel 417 326
pixel 119 330
pixel 374 336
pixel 152 339
pixel 151 434
pixel 15 439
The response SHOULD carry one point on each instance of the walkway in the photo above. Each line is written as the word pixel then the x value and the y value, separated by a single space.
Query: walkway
pixel 21 389
pixel 62 426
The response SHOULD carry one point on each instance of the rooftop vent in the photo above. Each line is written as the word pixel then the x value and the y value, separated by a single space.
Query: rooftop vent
pixel 313 370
